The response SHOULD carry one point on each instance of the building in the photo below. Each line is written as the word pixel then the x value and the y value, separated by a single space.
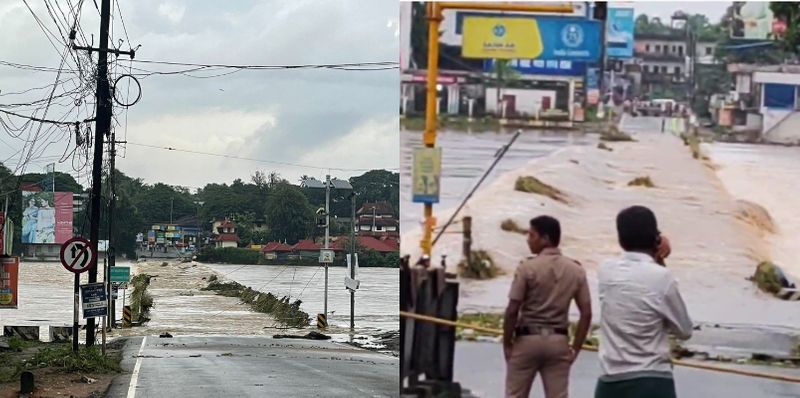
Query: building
pixel 378 220
pixel 224 234
pixel 276 251
pixel 365 243
pixel 766 100
pixel 306 249
pixel 663 62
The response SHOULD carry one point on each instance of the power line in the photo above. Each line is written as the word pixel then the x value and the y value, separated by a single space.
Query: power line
pixel 255 160
pixel 288 66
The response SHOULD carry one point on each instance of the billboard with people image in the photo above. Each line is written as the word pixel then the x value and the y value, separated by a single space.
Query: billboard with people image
pixel 47 217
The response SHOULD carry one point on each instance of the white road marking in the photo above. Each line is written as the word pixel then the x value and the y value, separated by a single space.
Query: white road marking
pixel 135 375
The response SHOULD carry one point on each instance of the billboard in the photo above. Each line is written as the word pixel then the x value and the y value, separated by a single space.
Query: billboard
pixel 9 282
pixel 549 67
pixel 752 20
pixel 47 218
pixel 502 36
pixel 619 33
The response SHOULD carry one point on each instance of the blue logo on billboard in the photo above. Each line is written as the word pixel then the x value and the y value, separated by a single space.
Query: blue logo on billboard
pixel 572 35
pixel 499 30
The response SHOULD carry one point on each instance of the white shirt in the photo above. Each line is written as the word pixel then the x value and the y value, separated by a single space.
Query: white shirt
pixel 639 305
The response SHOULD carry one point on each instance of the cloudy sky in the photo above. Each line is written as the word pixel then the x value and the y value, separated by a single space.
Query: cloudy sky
pixel 323 118
pixel 664 9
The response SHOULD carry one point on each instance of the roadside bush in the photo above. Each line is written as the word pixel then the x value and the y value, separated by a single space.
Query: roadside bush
pixel 141 300
pixel 532 184
pixel 480 265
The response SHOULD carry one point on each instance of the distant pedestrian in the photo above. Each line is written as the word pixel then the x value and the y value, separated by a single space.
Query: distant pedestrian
pixel 639 306
pixel 535 327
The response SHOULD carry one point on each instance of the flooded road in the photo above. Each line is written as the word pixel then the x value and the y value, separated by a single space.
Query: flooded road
pixel 377 299
pixel 715 250
pixel 182 308
pixel 770 177
pixel 467 156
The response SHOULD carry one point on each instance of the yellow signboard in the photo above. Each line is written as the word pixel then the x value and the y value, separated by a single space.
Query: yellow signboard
pixel 426 175
pixel 501 38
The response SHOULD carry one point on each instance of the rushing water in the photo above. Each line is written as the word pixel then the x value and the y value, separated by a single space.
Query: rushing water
pixel 45 297
pixel 714 252
pixel 466 156
pixel 770 177
pixel 377 299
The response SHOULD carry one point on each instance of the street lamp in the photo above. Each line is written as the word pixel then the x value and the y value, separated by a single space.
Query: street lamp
pixel 326 256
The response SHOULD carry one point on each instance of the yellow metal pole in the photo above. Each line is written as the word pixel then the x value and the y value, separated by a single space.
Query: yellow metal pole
pixel 429 137
pixel 542 8
pixel 434 13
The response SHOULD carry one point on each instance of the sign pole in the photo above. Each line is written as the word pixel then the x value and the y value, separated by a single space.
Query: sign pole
pixel 75 313
pixel 327 231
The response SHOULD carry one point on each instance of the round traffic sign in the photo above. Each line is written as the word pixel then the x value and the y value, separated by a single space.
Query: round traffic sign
pixel 77 255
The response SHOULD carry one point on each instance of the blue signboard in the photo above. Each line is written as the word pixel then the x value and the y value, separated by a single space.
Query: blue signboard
pixel 592 78
pixel 93 299
pixel 549 67
pixel 574 39
pixel 619 33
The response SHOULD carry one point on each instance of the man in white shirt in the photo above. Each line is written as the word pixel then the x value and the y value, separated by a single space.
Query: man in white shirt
pixel 640 305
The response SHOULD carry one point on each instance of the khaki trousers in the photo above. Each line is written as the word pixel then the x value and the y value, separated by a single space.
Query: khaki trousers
pixel 547 355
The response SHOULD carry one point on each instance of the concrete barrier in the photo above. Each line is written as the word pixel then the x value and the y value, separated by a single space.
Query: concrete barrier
pixel 322 321
pixel 126 316
pixel 23 332
pixel 60 333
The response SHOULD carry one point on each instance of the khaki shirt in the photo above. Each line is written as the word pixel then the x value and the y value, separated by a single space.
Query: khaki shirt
pixel 545 285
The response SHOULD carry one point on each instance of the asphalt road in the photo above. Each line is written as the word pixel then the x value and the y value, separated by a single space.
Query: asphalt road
pixel 481 369
pixel 251 366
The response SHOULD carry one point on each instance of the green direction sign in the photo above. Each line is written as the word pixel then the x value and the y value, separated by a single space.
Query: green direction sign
pixel 120 274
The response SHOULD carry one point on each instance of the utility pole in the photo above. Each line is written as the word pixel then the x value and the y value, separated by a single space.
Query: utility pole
pixel 327 234
pixel 102 128
pixel 111 253
pixel 352 258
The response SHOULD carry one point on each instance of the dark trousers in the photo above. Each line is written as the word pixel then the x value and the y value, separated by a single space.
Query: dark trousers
pixel 643 387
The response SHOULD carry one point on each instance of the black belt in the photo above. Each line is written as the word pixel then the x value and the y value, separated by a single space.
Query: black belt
pixel 538 330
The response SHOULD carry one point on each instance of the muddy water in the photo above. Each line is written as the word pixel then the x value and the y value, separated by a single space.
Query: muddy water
pixel 182 308
pixel 45 297
pixel 713 250
pixel 770 177
pixel 466 156
pixel 377 299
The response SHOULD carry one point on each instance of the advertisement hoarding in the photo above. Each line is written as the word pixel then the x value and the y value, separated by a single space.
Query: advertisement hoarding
pixel 619 33
pixel 506 36
pixel 752 20
pixel 47 217
pixel 9 282
pixel 549 67
pixel 426 173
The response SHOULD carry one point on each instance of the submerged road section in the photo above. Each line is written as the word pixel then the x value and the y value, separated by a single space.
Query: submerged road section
pixel 251 366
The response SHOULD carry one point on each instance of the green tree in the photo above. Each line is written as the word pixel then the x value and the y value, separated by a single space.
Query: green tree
pixel 376 186
pixel 789 12
pixel 288 214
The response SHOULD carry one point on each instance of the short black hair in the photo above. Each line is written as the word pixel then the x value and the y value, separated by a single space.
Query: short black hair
pixel 637 229
pixel 547 226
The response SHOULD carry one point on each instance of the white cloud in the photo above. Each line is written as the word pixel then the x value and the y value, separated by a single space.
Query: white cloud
pixel 173 12
pixel 374 143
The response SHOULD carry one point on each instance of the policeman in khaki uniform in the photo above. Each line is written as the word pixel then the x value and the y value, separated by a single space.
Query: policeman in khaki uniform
pixel 535 328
